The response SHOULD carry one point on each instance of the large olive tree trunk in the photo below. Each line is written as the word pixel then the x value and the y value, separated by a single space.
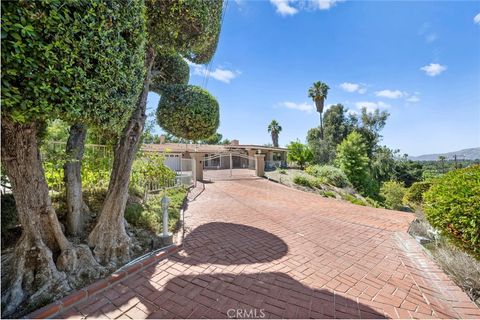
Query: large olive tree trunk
pixel 109 239
pixel 73 181
pixel 44 263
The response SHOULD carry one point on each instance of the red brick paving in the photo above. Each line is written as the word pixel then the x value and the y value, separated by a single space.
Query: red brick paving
pixel 257 248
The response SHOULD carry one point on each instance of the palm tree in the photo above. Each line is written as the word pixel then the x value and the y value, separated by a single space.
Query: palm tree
pixel 274 128
pixel 318 92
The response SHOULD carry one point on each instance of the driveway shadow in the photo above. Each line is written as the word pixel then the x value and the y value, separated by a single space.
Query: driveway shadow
pixel 192 289
pixel 231 244
pixel 223 295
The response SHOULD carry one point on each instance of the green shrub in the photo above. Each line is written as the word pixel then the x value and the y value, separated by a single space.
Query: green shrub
pixel 452 205
pixel 302 181
pixel 353 160
pixel 373 203
pixel 329 175
pixel 393 193
pixel 353 199
pixel 149 215
pixel 281 171
pixel 414 195
pixel 328 194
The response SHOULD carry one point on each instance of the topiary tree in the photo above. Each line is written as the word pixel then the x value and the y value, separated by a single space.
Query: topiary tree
pixel 190 28
pixel 189 112
pixel 452 205
pixel 55 66
pixel 169 68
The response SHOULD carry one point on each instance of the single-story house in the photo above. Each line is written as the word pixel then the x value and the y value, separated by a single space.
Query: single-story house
pixel 218 156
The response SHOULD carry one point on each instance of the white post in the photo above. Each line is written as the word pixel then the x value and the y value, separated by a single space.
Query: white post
pixel 194 171
pixel 165 202
pixel 230 164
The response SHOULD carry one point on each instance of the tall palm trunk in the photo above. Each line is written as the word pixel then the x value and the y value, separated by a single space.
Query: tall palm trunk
pixel 321 126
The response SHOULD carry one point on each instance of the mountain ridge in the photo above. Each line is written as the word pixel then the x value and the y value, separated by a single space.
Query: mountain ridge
pixel 464 154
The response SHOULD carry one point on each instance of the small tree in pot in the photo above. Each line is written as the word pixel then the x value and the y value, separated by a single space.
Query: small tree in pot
pixel 318 92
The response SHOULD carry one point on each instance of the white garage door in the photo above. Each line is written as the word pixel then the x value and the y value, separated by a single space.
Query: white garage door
pixel 173 161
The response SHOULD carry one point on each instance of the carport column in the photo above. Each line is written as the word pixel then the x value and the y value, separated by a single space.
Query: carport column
pixel 251 154
pixel 259 165
pixel 231 164
pixel 197 165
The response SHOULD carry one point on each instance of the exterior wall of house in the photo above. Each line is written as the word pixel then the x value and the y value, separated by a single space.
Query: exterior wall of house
pixel 273 159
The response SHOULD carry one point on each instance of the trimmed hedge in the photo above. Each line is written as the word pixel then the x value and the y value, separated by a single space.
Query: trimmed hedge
pixel 188 112
pixel 329 174
pixel 414 195
pixel 452 205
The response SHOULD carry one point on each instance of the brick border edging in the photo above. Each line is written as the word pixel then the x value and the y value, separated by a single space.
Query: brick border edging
pixel 81 295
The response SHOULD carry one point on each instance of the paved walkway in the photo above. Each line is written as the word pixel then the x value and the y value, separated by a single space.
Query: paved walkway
pixel 255 248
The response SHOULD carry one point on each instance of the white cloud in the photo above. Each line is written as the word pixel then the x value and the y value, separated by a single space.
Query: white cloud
pixel 305 107
pixel 371 106
pixel 283 7
pixel 353 87
pixel 352 112
pixel 433 69
pixel 220 74
pixel 391 94
pixel 476 19
pixel 291 7
pixel 413 98
pixel 324 4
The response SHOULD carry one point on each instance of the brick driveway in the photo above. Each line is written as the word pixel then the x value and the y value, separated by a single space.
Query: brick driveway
pixel 254 248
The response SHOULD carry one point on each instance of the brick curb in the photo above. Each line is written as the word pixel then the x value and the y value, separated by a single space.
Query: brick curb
pixel 81 295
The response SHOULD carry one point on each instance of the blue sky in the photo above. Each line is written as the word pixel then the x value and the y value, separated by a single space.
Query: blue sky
pixel 420 61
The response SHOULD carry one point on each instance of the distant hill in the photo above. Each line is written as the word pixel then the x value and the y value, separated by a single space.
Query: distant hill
pixel 465 154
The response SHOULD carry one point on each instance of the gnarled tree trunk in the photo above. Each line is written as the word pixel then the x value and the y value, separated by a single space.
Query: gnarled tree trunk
pixel 109 239
pixel 73 181
pixel 45 264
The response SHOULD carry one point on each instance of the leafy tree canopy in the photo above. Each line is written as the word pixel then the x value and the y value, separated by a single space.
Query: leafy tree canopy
pixel 79 61
pixel 299 153
pixel 189 112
